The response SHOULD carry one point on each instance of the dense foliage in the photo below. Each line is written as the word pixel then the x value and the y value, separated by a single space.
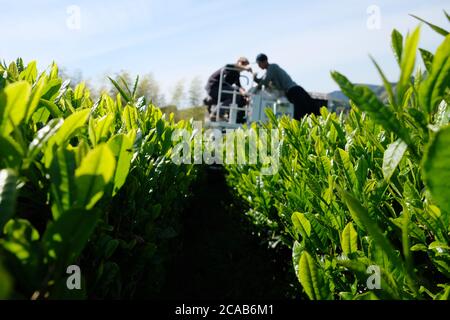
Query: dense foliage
pixel 92 184
pixel 85 183
pixel 365 191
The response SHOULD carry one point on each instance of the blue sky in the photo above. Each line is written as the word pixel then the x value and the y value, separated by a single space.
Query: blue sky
pixel 181 39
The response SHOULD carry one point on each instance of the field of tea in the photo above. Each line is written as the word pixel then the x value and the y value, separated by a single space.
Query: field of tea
pixel 359 207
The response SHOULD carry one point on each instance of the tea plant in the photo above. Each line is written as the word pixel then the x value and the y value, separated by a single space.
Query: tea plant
pixel 86 183
pixel 367 191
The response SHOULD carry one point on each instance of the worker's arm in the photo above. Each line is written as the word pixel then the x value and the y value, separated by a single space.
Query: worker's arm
pixel 266 79
pixel 256 79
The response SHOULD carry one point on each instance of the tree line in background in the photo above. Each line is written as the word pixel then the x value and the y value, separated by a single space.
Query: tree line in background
pixel 184 94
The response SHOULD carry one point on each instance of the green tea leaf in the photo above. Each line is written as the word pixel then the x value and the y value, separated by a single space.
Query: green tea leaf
pixel 361 171
pixel 125 96
pixel 51 89
pixel 444 294
pixel 71 124
pixel 439 30
pixel 419 247
pixel 19 236
pixel 103 127
pixel 30 73
pixel 13 71
pixel 51 107
pixel 301 224
pixel 8 194
pixel 406 234
pixel 386 83
pixel 122 148
pixel 79 94
pixel 135 87
pixel 427 58
pixel 95 172
pixel 360 213
pixel 129 117
pixel 367 296
pixel 436 168
pixel 343 159
pixel 17 95
pixel 367 101
pixel 62 171
pixel 432 90
pixel 392 157
pixel 436 245
pixel 297 250
pixel 397 45
pixel 407 63
pixel 67 130
pixel 12 153
pixel 42 136
pixel 111 248
pixel 442 115
pixel 349 239
pixel 65 238
pixel 310 278
pixel 6 283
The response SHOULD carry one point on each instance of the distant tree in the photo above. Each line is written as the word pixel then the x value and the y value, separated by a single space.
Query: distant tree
pixel 103 85
pixel 75 77
pixel 178 94
pixel 162 101
pixel 147 87
pixel 150 89
pixel 195 92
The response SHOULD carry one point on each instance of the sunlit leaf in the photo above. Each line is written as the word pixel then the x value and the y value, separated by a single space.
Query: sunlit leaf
pixel 436 168
pixel 301 224
pixel 349 239
pixel 397 45
pixel 432 90
pixel 407 63
pixel 8 194
pixel 439 30
pixel 65 238
pixel 95 172
pixel 310 278
pixel 63 191
pixel 392 157
pixel 14 111
pixel 122 148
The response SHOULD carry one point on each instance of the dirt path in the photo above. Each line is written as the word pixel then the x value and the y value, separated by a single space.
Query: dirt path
pixel 221 259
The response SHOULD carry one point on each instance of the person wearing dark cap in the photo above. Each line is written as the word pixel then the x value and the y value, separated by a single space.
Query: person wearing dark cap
pixel 280 79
